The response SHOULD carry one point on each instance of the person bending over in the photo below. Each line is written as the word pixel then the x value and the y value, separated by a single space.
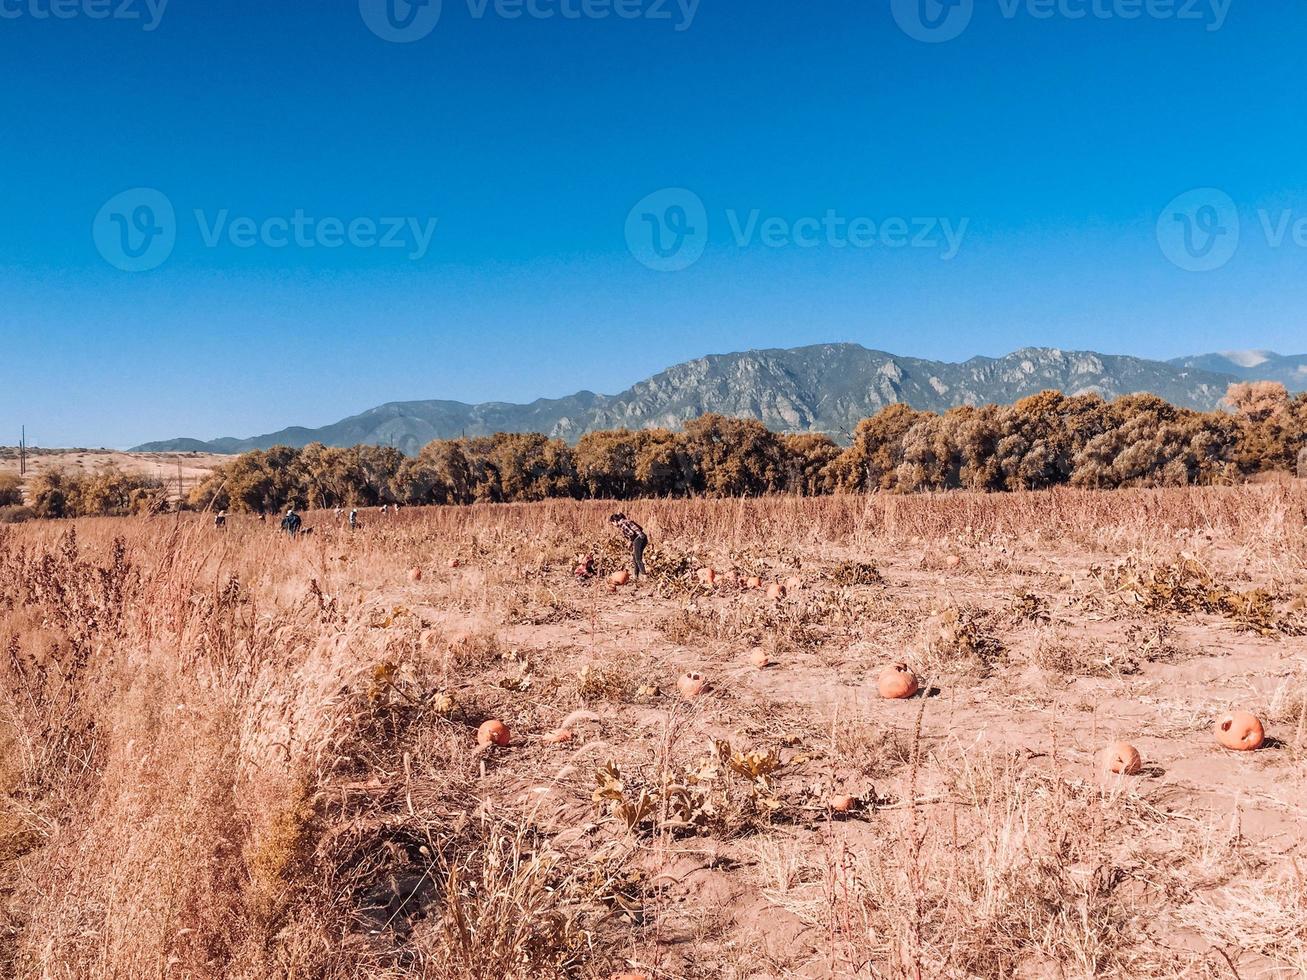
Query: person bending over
pixel 635 537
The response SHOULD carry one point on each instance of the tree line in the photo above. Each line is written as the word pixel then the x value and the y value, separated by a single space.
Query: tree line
pixel 1046 440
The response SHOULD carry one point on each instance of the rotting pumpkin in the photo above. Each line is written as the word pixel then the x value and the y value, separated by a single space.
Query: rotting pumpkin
pixel 691 684
pixel 1240 731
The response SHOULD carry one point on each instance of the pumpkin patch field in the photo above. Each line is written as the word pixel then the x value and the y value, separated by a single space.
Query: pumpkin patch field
pixel 1032 735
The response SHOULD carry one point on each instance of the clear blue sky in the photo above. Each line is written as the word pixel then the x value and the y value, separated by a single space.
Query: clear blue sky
pixel 1058 140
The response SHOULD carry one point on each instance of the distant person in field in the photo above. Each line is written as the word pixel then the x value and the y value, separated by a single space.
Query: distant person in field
pixel 635 537
pixel 291 522
pixel 353 520
pixel 220 520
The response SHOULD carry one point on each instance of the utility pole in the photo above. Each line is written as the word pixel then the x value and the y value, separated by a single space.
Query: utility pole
pixel 22 453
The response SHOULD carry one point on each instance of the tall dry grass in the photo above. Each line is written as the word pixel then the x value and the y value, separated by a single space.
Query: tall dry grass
pixel 227 754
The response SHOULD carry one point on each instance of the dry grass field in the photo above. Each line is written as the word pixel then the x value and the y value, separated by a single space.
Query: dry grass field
pixel 232 754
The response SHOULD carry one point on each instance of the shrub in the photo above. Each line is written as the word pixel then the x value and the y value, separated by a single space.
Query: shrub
pixel 11 490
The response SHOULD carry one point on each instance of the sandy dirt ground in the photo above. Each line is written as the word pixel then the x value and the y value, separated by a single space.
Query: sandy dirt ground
pixel 1034 657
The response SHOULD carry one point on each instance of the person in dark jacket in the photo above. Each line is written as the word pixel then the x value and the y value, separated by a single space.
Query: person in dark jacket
pixel 635 537
pixel 291 522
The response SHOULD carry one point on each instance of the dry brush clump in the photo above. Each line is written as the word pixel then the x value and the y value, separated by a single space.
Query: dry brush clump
pixel 1186 586
pixel 203 783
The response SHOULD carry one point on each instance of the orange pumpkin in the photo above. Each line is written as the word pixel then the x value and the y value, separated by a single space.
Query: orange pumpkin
pixel 842 804
pixel 897 682
pixel 753 582
pixel 1240 731
pixel 1121 758
pixel 691 684
pixel 493 733
pixel 415 575
pixel 758 657
pixel 708 576
pixel 952 561
pixel 776 591
pixel 620 578
pixel 558 737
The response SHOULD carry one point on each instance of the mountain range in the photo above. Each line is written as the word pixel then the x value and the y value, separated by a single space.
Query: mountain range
pixel 824 388
pixel 1252 365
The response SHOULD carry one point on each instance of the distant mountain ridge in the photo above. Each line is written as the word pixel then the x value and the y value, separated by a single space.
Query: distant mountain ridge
pixel 824 388
pixel 1252 365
